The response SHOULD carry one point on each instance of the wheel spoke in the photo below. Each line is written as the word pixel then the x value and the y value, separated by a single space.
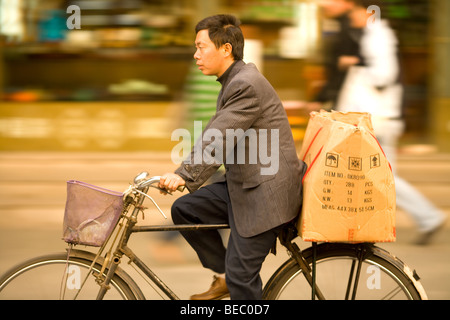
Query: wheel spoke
pixel 392 294
pixel 56 277
pixel 343 271
pixel 350 279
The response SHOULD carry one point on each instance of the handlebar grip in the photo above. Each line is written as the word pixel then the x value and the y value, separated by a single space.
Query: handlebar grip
pixel 155 180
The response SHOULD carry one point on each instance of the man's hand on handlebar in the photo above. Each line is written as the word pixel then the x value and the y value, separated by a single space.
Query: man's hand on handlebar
pixel 171 182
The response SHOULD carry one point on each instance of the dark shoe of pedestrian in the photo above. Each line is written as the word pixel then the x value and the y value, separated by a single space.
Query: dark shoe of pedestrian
pixel 217 291
pixel 426 237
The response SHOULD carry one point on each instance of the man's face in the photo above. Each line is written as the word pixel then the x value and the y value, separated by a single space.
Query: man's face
pixel 210 60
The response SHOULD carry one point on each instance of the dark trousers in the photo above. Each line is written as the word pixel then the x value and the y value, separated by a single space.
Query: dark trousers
pixel 242 259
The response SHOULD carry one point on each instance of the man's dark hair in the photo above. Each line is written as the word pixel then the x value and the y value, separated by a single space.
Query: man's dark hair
pixel 222 29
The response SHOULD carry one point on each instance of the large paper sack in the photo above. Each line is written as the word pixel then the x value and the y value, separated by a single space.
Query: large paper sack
pixel 349 192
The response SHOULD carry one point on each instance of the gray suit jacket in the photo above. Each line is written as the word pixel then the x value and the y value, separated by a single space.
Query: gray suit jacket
pixel 265 191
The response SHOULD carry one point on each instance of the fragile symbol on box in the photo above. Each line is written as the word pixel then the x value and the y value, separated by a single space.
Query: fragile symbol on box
pixel 332 160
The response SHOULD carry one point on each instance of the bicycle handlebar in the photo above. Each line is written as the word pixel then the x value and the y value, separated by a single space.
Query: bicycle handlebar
pixel 149 182
pixel 141 182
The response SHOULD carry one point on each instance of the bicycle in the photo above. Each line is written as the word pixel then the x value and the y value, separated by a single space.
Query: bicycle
pixel 322 271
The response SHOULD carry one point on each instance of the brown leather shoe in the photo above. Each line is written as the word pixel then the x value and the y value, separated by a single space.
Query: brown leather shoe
pixel 217 291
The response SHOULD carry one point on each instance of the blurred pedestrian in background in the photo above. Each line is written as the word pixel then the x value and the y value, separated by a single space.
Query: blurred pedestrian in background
pixel 342 42
pixel 365 77
pixel 200 96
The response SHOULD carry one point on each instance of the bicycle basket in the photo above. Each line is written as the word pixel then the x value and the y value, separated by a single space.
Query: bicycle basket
pixel 91 213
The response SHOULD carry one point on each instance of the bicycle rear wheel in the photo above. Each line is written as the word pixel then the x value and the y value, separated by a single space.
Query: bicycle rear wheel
pixel 381 275
pixel 53 277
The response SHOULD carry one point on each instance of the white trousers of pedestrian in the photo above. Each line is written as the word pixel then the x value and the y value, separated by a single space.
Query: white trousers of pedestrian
pixel 425 214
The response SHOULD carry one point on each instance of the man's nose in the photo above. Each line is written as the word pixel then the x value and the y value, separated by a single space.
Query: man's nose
pixel 196 55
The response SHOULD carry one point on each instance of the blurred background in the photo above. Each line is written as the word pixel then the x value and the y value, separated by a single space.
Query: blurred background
pixel 95 94
pixel 116 77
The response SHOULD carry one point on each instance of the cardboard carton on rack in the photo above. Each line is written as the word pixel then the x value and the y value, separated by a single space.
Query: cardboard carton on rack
pixel 349 191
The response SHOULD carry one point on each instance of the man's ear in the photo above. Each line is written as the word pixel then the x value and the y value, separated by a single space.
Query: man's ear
pixel 227 48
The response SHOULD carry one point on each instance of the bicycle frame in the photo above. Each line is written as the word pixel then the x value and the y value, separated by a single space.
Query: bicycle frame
pixel 123 249
pixel 130 228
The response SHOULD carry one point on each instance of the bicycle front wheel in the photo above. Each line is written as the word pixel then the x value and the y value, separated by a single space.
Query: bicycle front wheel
pixel 347 271
pixel 56 276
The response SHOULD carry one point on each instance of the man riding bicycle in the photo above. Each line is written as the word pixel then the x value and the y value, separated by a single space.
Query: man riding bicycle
pixel 254 199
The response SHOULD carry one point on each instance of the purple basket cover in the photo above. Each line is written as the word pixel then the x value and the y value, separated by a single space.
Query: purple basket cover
pixel 91 213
